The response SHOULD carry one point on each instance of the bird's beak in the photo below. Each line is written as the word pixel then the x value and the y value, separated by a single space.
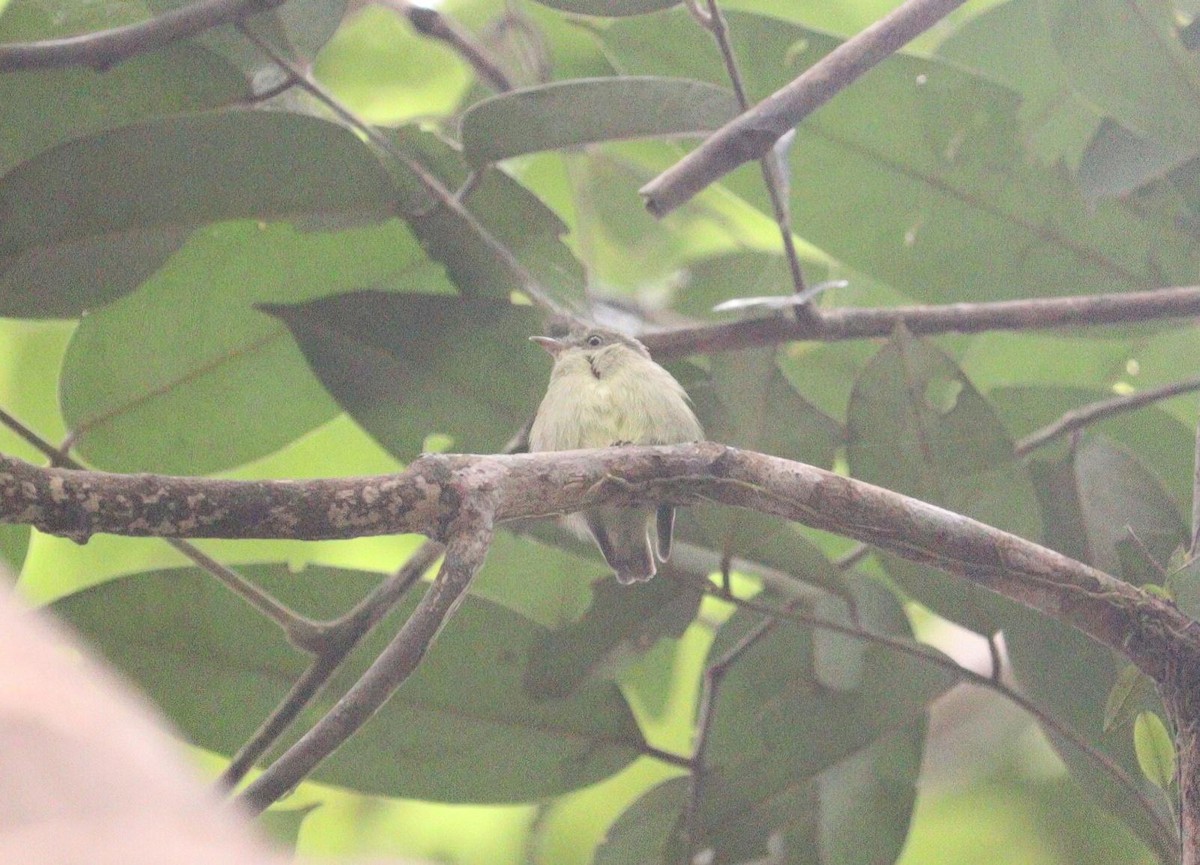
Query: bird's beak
pixel 552 345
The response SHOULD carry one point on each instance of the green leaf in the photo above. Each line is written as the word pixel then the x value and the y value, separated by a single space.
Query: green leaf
pixel 48 106
pixel 1118 501
pixel 608 8
pixel 497 206
pixel 915 176
pixel 186 377
pixel 572 113
pixel 407 365
pixel 918 426
pixel 649 829
pixel 1056 122
pixel 622 621
pixel 1158 440
pixel 14 544
pixel 1131 687
pixel 1155 750
pixel 461 729
pixel 1072 677
pixel 297 28
pixel 1125 57
pixel 1118 162
pixel 831 770
pixel 282 825
pixel 87 221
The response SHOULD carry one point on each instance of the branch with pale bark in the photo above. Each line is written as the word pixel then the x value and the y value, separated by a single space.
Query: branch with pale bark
pixel 434 493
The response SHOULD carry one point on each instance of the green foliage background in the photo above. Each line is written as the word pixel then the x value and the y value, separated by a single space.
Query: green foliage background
pixel 193 286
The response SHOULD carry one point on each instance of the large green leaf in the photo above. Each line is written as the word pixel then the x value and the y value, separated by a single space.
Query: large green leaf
pixel 1125 57
pixel 460 729
pixel 1056 122
pixel 918 426
pixel 407 365
pixel 184 376
pixel 822 748
pixel 916 176
pixel 89 220
pixel 572 113
pixel 45 107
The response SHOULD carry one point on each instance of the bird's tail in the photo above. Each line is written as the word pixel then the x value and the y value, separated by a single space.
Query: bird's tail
pixel 623 537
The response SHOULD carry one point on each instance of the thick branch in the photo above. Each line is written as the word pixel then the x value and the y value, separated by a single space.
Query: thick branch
pixel 831 325
pixel 751 135
pixel 427 498
pixel 102 49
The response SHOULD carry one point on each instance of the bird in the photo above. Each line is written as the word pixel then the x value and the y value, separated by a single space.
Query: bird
pixel 606 390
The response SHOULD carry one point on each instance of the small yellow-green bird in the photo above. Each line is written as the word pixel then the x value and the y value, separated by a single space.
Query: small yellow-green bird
pixel 605 390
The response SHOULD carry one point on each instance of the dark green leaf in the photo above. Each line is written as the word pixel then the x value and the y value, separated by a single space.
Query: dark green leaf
pixel 407 365
pixel 794 752
pixel 572 113
pixel 48 106
pixel 918 426
pixel 648 830
pixel 87 221
pixel 1160 441
pixel 498 206
pixel 1071 677
pixel 14 544
pixel 186 377
pixel 1117 161
pixel 460 729
pixel 621 622
pixel 608 8
pixel 297 29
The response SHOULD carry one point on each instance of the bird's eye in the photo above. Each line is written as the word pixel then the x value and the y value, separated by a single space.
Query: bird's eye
pixel 594 340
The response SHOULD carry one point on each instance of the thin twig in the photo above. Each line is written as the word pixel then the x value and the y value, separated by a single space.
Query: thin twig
pixel 753 133
pixel 1097 411
pixel 708 701
pixel 465 553
pixel 430 183
pixel 434 24
pixel 716 24
pixel 1167 841
pixel 299 629
pixel 832 325
pixel 340 636
pixel 104 48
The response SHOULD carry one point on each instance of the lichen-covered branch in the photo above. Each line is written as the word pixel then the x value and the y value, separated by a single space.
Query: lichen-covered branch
pixel 429 496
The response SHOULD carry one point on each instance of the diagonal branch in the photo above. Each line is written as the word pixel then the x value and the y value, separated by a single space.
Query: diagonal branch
pixel 751 135
pixel 104 48
pixel 470 539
